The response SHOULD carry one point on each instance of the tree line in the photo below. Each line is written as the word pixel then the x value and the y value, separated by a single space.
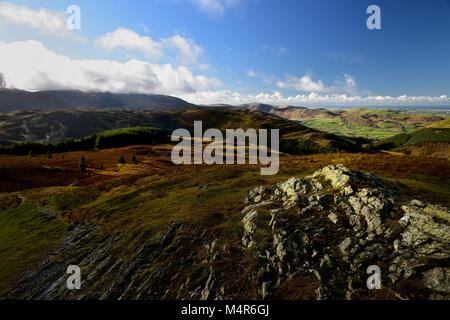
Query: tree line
pixel 105 140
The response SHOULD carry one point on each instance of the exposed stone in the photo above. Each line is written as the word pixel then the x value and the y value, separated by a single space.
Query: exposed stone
pixel 333 217
pixel 372 204
pixel 373 224
pixel 438 279
pixel 345 245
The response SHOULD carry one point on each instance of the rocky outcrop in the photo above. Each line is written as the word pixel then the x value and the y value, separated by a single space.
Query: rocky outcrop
pixel 108 273
pixel 336 223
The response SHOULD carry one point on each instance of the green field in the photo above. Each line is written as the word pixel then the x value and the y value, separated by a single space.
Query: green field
pixel 336 125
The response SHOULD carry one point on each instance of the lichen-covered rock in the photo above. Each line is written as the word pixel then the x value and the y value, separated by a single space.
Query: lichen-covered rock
pixel 336 223
pixel 372 205
pixel 438 280
pixel 338 175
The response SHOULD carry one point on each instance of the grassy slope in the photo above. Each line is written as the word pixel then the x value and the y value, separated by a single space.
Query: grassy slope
pixel 427 135
pixel 440 124
pixel 293 135
pixel 27 232
pixel 291 132
pixel 139 206
pixel 338 126
pixel 373 123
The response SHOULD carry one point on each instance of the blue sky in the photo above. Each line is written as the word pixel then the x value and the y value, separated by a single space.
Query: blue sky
pixel 303 52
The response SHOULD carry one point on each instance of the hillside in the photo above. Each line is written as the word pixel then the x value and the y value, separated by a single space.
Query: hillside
pixel 152 230
pixel 429 142
pixel 293 113
pixel 14 100
pixel 428 135
pixel 56 126
pixel 440 124
pixel 356 122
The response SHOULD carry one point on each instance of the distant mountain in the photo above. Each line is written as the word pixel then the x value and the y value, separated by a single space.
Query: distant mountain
pixel 13 100
pixel 292 112
pixel 267 108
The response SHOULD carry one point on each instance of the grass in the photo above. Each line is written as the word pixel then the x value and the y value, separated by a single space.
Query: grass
pixel 138 211
pixel 419 137
pixel 421 187
pixel 384 129
pixel 376 124
pixel 128 131
pixel 429 135
pixel 440 124
pixel 139 208
pixel 26 234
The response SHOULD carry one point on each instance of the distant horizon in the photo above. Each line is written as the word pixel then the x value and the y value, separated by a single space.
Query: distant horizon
pixel 391 107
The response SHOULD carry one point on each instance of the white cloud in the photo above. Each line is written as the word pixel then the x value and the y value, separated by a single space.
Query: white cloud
pixel 305 83
pixel 251 74
pixel 312 99
pixel 346 84
pixel 43 20
pixel 30 65
pixel 187 51
pixel 216 8
pixel 129 40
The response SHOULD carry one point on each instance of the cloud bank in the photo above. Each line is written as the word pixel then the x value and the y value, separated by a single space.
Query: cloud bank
pixel 30 65
pixel 312 99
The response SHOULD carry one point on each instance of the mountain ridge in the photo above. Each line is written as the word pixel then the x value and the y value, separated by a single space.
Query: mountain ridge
pixel 14 100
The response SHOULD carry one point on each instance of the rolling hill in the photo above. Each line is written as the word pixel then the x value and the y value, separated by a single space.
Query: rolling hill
pixel 56 126
pixel 427 135
pixel 428 142
pixel 440 124
pixel 356 122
